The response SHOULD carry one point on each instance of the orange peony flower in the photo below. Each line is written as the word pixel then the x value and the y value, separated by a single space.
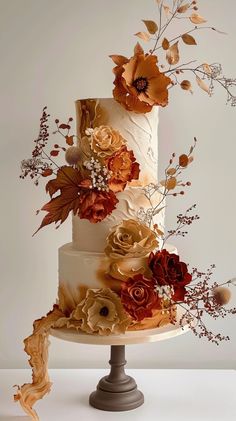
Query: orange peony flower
pixel 96 205
pixel 124 169
pixel 139 84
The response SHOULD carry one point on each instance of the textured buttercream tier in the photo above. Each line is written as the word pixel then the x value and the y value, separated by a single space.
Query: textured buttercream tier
pixel 80 270
pixel 140 132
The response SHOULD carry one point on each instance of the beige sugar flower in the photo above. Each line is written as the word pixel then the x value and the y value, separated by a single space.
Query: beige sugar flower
pixel 105 141
pixel 131 238
pixel 102 312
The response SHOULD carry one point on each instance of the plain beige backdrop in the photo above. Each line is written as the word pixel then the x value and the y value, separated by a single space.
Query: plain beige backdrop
pixel 52 53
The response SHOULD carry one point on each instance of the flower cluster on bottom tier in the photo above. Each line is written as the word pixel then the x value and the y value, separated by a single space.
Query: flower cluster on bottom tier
pixel 102 296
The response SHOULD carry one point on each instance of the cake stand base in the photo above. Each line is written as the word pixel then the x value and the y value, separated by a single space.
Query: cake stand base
pixel 117 391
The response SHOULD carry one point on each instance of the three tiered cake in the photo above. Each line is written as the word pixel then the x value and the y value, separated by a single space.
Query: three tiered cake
pixel 108 253
pixel 119 274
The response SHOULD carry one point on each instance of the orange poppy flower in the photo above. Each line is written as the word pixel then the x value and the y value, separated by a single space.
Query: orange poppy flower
pixel 139 84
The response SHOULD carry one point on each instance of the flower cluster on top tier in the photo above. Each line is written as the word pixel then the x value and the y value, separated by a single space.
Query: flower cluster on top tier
pixel 99 167
pixel 109 159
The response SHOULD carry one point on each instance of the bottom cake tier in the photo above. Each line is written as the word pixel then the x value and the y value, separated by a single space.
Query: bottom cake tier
pixel 80 271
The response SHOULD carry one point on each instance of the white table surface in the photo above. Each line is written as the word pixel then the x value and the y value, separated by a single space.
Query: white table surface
pixel 170 395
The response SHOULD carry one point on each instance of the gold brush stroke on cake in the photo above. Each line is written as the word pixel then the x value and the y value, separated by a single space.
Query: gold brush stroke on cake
pixel 89 114
pixel 36 346
pixel 68 298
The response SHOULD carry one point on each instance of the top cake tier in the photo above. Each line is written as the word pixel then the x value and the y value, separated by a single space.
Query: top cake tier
pixel 140 134
pixel 139 131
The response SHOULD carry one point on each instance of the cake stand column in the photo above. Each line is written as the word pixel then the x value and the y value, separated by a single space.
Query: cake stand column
pixel 117 391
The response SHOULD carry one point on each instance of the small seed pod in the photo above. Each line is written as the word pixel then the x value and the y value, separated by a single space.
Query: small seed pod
pixel 72 155
pixel 222 295
pixel 186 85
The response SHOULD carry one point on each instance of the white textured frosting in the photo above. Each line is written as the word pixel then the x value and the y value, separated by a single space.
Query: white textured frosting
pixel 140 132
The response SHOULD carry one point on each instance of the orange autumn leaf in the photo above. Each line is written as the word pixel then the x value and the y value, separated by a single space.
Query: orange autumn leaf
pixel 119 60
pixel 68 181
pixel 165 44
pixel 188 39
pixel 151 26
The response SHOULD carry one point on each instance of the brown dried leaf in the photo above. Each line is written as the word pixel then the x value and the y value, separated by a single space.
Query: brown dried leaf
pixel 184 8
pixel 68 182
pixel 171 183
pixel 138 49
pixel 197 19
pixel 143 35
pixel 119 60
pixel 151 26
pixel 183 160
pixel 202 85
pixel 207 68
pixel 172 55
pixel 171 171
pixel 188 39
pixel 165 44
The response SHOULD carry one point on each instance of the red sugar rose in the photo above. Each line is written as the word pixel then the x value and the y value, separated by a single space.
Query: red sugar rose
pixel 139 297
pixel 168 270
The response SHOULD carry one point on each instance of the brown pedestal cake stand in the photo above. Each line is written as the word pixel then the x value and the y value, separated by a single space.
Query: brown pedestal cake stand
pixel 117 391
